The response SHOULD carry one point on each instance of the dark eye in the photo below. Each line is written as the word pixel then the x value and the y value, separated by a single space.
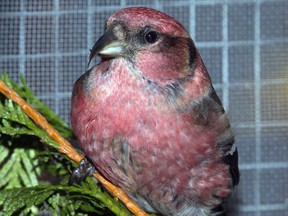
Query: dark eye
pixel 151 37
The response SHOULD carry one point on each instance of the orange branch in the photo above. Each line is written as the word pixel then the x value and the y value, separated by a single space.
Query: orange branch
pixel 66 148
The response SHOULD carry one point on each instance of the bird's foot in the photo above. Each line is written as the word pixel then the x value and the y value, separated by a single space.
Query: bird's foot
pixel 85 168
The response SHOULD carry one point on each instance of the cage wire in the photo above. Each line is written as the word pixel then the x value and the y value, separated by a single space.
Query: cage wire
pixel 244 44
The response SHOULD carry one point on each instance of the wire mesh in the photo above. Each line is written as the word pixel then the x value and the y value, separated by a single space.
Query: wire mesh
pixel 244 45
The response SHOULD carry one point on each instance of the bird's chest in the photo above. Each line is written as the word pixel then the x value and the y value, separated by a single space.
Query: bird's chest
pixel 129 107
pixel 124 106
pixel 125 109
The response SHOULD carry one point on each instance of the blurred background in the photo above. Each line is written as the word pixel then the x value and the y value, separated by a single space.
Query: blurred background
pixel 244 44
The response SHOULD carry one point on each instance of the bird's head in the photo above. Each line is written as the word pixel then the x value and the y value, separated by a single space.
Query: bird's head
pixel 155 43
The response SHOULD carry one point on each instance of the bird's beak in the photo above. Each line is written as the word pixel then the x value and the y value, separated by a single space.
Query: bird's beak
pixel 108 45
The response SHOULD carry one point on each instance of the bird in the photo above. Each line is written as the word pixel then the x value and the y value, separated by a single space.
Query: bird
pixel 148 118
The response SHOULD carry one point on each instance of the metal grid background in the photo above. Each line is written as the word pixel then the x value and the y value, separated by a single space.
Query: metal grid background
pixel 244 44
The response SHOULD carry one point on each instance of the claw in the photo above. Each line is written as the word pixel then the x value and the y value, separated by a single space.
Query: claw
pixel 85 168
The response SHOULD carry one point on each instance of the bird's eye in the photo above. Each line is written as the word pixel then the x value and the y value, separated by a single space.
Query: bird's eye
pixel 151 37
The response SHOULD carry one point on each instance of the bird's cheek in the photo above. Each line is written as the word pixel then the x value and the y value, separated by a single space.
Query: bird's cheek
pixel 157 67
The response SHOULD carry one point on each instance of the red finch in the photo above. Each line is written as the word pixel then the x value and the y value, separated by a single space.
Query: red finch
pixel 149 119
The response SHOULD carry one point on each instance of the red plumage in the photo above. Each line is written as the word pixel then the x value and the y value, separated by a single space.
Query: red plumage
pixel 149 119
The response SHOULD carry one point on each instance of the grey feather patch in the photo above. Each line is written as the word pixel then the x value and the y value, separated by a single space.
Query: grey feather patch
pixel 174 89
pixel 126 157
